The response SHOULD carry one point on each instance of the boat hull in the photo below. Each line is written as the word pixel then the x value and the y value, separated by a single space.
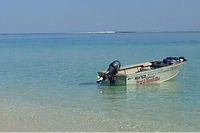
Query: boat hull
pixel 154 76
pixel 150 76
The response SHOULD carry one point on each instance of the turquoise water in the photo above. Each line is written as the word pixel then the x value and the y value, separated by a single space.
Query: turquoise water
pixel 47 83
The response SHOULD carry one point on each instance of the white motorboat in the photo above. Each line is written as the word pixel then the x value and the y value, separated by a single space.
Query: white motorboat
pixel 147 72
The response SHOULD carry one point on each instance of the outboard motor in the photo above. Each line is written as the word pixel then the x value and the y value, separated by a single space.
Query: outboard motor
pixel 112 70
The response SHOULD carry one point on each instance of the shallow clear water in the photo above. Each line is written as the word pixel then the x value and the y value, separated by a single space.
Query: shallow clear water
pixel 47 83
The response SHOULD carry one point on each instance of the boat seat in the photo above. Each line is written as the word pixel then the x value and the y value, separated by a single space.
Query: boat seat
pixel 130 71
pixel 135 69
pixel 146 64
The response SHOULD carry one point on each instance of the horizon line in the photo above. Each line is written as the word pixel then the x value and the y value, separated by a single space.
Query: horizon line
pixel 99 32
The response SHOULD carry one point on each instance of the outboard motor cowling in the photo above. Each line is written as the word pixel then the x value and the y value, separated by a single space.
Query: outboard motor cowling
pixel 114 67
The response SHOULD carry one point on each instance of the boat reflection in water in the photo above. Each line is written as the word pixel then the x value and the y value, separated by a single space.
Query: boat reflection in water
pixel 170 87
pixel 136 102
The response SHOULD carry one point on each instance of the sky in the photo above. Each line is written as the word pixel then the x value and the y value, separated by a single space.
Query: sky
pixel 61 16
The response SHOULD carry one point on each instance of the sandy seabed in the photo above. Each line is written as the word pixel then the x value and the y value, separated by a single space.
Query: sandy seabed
pixel 31 117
